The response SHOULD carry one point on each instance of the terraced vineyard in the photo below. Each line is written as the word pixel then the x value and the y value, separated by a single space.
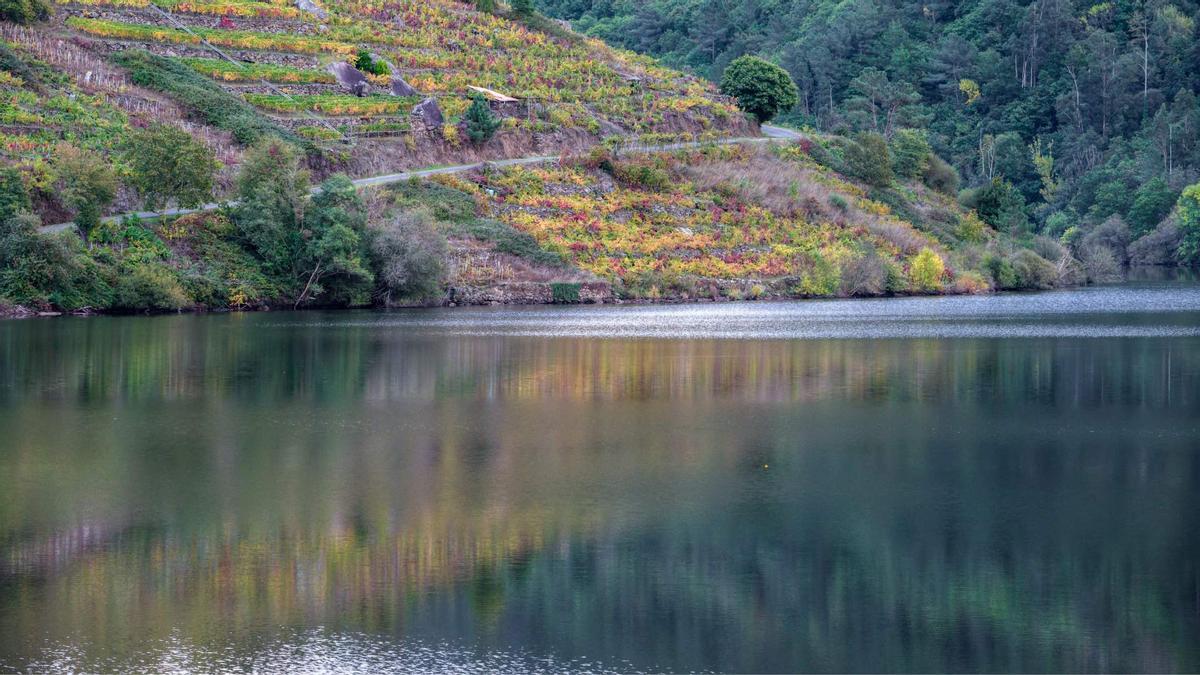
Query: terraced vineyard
pixel 567 89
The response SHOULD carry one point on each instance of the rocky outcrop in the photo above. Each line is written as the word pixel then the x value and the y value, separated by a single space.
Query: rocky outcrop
pixel 351 79
pixel 429 113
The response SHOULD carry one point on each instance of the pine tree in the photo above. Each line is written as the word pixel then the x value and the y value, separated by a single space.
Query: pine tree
pixel 522 7
pixel 481 123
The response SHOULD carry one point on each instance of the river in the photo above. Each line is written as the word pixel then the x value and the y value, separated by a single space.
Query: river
pixel 994 483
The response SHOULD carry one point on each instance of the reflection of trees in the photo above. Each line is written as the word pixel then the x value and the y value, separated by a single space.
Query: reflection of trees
pixel 983 505
pixel 249 358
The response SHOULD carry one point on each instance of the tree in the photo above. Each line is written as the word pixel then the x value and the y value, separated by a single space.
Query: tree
pixel 480 121
pixel 1000 205
pixel 485 5
pixel 522 7
pixel 867 158
pixel 910 153
pixel 408 254
pixel 272 192
pixel 333 250
pixel 166 163
pixel 1188 210
pixel 1152 203
pixel 14 198
pixel 880 104
pixel 86 183
pixel 761 88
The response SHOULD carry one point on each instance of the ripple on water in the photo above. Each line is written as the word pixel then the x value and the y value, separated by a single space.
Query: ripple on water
pixel 308 651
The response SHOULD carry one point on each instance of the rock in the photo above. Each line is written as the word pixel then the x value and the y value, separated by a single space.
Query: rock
pixel 312 8
pixel 430 113
pixel 350 77
pixel 400 87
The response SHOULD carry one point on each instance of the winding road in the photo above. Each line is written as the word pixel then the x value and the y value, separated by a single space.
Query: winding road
pixel 770 134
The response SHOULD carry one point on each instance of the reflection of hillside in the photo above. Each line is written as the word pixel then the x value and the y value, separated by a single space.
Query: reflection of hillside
pixel 737 505
pixel 248 359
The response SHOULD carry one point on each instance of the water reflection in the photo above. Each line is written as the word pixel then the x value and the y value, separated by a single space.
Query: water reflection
pixel 247 492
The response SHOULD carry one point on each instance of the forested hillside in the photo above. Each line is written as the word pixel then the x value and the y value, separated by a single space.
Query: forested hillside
pixel 1076 119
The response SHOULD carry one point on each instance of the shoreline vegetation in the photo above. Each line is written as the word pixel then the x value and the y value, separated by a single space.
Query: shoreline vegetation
pixel 112 108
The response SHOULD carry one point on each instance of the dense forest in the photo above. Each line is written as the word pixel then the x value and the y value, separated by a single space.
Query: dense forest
pixel 1079 120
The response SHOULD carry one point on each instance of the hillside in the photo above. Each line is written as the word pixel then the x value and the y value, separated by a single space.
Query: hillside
pixel 99 68
pixel 1075 119
pixel 113 106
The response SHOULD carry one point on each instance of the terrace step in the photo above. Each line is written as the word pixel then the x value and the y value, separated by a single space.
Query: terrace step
pixel 149 17
pixel 289 59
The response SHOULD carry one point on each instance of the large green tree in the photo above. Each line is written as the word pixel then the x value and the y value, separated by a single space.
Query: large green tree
pixel 166 163
pixel 761 88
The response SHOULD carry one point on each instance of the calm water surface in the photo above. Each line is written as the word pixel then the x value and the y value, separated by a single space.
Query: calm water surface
pixel 966 484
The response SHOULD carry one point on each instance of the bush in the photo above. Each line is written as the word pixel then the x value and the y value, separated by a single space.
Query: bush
pixel 167 163
pixel 643 176
pixel 367 64
pixel 821 279
pixel 14 198
pixel 940 176
pixel 48 270
pixel 480 122
pixel 1034 271
pixel 522 7
pixel 565 293
pixel 1159 247
pixel 761 88
pixel 1111 235
pixel 864 275
pixel 910 153
pixel 1188 219
pixel 24 11
pixel 446 203
pixel 926 270
pixel 407 256
pixel 148 286
pixel 867 158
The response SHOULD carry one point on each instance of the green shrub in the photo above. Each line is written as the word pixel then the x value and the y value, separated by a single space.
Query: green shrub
pixel 867 158
pixel 940 175
pixel 147 286
pixel 565 293
pixel 644 176
pixel 367 64
pixel 1188 211
pixel 822 278
pixel 522 7
pixel 14 198
pixel 48 270
pixel 761 88
pixel 910 153
pixel 1034 271
pixel 1004 277
pixel 926 270
pixel 444 202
